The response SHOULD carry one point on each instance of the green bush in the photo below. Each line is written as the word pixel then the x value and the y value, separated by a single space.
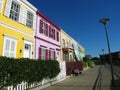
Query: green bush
pixel 90 63
pixel 84 64
pixel 14 71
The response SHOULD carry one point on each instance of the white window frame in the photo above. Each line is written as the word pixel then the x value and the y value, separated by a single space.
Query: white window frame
pixel 52 54
pixel 13 11
pixel 52 33
pixel 29 20
pixel 44 28
pixel 43 54
pixel 11 39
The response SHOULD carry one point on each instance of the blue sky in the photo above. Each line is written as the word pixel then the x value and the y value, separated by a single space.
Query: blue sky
pixel 80 19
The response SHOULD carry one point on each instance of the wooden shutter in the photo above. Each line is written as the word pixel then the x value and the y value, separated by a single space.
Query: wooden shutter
pixel 57 36
pixel 50 54
pixel 6 47
pixel 46 54
pixel 1 2
pixel 39 54
pixel 49 31
pixel 34 21
pixel 9 47
pixel 40 28
pixel 8 8
pixel 12 48
pixel 54 35
pixel 23 15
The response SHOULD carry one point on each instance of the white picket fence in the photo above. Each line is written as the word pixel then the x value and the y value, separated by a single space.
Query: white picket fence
pixel 44 83
pixel 22 86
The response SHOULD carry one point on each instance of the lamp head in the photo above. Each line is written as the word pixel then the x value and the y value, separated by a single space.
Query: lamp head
pixel 104 20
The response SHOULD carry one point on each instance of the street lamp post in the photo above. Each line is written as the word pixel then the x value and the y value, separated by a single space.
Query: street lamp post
pixel 103 56
pixel 104 22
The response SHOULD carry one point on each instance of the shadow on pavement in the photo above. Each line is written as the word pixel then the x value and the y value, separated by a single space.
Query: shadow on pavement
pixel 97 84
pixel 117 85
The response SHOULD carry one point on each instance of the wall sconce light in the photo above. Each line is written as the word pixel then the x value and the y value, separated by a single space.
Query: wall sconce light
pixel 22 38
pixel 20 51
pixel 32 52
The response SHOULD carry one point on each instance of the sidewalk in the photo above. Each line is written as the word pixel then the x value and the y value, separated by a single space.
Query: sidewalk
pixel 106 81
pixel 97 78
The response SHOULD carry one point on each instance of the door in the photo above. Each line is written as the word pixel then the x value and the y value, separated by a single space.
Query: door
pixel 58 55
pixel 27 49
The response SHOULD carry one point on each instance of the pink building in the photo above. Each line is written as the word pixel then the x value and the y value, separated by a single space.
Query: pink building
pixel 47 39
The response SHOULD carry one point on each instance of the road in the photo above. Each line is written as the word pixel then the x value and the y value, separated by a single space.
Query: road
pixel 97 78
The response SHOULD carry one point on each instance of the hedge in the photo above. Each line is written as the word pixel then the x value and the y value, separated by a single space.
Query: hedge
pixel 14 71
pixel 90 63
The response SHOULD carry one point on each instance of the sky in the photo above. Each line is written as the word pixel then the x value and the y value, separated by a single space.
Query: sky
pixel 80 19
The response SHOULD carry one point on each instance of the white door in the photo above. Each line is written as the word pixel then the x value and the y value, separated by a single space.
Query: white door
pixel 27 49
pixel 58 56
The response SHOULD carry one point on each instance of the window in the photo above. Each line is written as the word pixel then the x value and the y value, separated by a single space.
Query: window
pixel 63 43
pixel 43 56
pixel 14 12
pixel 52 33
pixel 27 47
pixel 52 54
pixel 43 28
pixel 57 53
pixel 43 53
pixel 66 56
pixel 67 44
pixel 9 48
pixel 29 21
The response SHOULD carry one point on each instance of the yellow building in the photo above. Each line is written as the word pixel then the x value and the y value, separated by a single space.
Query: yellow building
pixel 66 47
pixel 71 50
pixel 17 26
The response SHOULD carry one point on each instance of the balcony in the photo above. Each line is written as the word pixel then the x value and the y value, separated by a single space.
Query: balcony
pixel 67 49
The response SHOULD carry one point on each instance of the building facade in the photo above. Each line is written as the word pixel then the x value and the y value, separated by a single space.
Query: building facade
pixel 66 47
pixel 47 39
pixel 79 51
pixel 17 27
